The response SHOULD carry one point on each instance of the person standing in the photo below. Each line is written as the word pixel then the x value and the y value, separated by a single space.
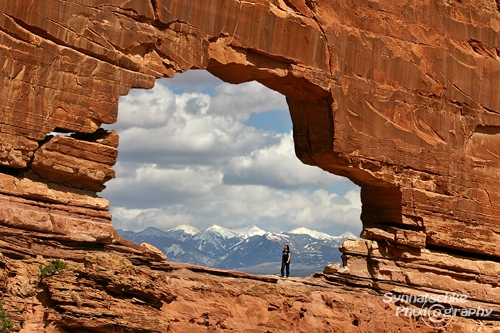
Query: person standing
pixel 285 261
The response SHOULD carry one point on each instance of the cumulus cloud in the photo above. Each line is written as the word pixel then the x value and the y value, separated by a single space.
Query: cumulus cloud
pixel 236 206
pixel 185 131
pixel 277 166
pixel 190 157
pixel 145 108
pixel 239 101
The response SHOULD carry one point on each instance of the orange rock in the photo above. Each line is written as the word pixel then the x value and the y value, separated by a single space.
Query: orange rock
pixel 108 294
pixel 400 97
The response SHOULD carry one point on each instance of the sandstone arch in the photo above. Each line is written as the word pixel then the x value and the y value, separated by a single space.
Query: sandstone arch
pixel 401 97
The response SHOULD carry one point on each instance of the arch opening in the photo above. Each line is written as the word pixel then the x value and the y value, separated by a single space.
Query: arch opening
pixel 196 154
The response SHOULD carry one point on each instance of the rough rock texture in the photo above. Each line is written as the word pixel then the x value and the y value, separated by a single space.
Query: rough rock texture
pixel 106 293
pixel 400 96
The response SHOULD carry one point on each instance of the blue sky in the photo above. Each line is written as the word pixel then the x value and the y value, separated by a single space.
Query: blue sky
pixel 195 150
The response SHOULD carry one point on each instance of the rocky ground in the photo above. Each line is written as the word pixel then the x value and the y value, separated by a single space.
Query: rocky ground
pixel 401 97
pixel 107 293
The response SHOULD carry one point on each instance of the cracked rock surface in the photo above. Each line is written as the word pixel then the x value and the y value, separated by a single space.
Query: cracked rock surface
pixel 399 96
pixel 107 293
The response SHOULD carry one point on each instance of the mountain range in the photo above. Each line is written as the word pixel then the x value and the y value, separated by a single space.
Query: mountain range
pixel 248 249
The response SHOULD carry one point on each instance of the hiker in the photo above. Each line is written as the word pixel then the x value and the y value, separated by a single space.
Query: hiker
pixel 285 261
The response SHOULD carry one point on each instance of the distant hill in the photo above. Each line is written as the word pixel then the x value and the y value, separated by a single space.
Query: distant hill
pixel 248 249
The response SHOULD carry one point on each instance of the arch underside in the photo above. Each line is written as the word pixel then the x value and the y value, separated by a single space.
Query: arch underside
pixel 404 104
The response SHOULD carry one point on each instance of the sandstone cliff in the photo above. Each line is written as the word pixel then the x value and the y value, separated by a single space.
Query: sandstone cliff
pixel 400 96
pixel 107 293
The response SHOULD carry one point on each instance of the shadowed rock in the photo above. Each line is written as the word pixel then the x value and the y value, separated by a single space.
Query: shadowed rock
pixel 400 97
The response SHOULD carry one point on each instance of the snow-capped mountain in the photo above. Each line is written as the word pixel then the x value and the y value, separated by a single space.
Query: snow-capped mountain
pixel 182 232
pixel 348 235
pixel 186 228
pixel 249 249
pixel 218 231
pixel 145 235
pixel 215 239
pixel 249 231
pixel 312 233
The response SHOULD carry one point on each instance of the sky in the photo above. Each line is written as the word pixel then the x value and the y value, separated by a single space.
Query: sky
pixel 195 150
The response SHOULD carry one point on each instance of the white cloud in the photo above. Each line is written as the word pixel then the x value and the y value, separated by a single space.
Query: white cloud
pixel 192 81
pixel 276 165
pixel 152 187
pixel 189 158
pixel 184 129
pixel 236 206
pixel 145 108
pixel 137 220
pixel 239 101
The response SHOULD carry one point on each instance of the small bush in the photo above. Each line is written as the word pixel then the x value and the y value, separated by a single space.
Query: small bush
pixel 55 266
pixel 5 323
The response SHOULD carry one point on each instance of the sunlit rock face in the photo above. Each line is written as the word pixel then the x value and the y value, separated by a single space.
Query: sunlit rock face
pixel 399 96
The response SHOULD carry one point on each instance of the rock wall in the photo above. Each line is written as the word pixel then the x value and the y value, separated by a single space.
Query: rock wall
pixel 400 96
pixel 106 293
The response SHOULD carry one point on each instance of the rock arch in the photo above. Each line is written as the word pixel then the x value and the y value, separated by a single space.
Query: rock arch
pixel 400 97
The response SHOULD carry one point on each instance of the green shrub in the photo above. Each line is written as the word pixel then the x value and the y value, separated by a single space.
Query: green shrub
pixel 55 266
pixel 5 323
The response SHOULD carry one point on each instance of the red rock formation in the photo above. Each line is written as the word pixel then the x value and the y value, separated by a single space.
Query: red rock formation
pixel 399 96
pixel 106 293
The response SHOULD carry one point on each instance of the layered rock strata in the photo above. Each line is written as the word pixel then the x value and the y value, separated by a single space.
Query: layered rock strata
pixel 399 96
pixel 107 293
